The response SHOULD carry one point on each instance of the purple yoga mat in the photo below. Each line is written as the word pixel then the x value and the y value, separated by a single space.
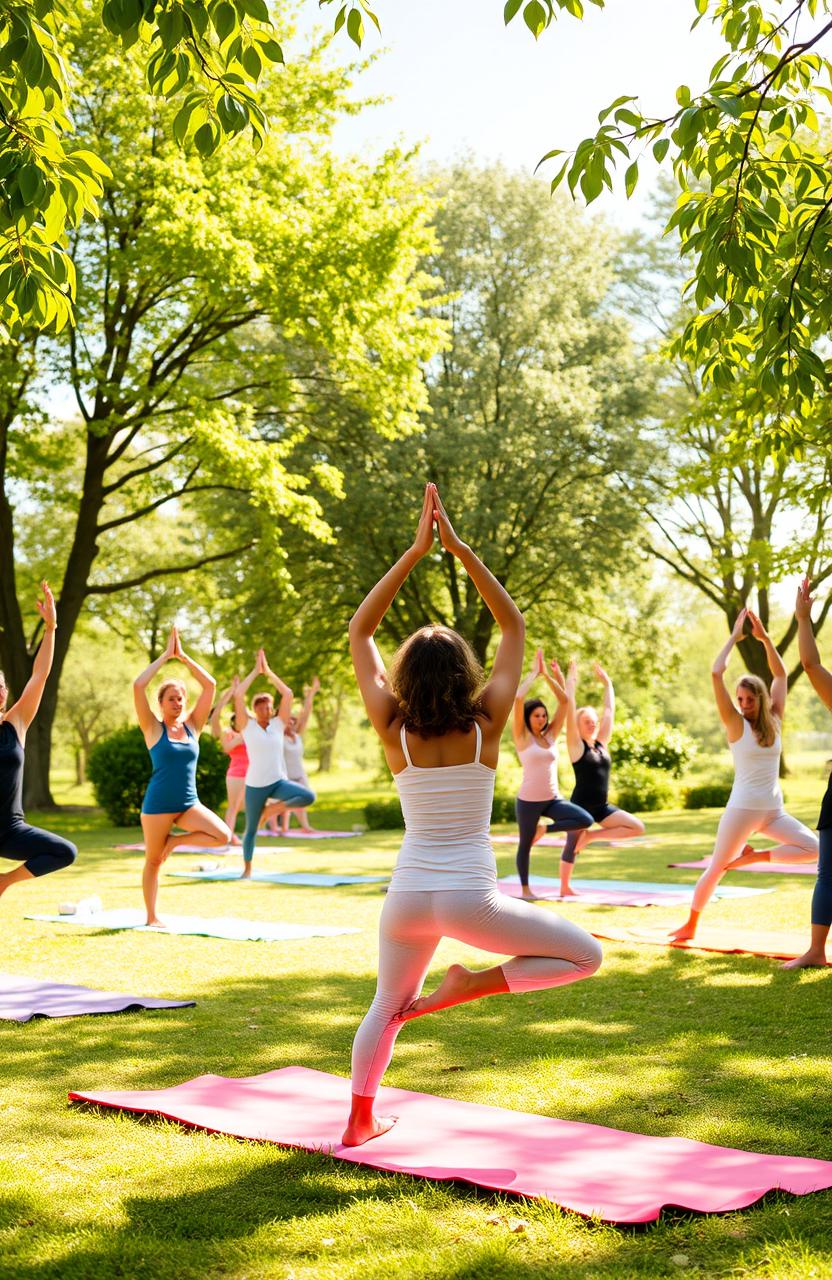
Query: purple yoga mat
pixel 22 998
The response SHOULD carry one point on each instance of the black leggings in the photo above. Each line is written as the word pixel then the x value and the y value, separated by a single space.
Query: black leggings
pixel 822 896
pixel 563 816
pixel 40 851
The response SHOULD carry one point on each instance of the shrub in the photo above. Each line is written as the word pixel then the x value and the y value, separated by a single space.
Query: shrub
pixel 642 790
pixel 502 810
pixel 119 770
pixel 384 815
pixel 654 744
pixel 708 795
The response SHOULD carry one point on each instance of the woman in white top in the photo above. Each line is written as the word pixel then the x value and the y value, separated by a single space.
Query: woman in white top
pixel 755 805
pixel 293 753
pixel 440 729
pixel 268 790
pixel 535 738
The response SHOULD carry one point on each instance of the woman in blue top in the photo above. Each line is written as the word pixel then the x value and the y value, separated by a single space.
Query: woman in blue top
pixel 173 742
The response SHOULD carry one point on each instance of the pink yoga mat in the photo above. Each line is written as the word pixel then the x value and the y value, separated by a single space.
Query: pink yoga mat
pixel 779 868
pixel 296 834
pixel 602 897
pixel 731 941
pixel 617 1176
pixel 224 852
pixel 559 841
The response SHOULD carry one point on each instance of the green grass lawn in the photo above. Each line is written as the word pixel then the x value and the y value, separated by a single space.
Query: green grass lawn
pixel 725 1049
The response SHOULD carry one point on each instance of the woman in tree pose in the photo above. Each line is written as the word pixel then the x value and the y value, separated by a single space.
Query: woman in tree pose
pixel 822 684
pixel 39 852
pixel 268 790
pixel 173 742
pixel 587 739
pixel 293 753
pixel 755 805
pixel 440 729
pixel 535 738
pixel 235 776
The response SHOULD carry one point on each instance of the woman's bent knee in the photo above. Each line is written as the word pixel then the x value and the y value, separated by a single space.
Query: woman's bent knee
pixel 591 963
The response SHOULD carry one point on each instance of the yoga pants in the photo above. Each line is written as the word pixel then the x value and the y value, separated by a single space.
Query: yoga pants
pixel 40 851
pixel 563 816
pixel 293 795
pixel 599 813
pixel 822 897
pixel 548 952
pixel 797 844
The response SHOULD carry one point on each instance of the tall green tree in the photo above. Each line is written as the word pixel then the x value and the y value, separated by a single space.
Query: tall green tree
pixel 220 299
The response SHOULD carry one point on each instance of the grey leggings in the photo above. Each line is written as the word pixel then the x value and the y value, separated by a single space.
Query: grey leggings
pixel 548 952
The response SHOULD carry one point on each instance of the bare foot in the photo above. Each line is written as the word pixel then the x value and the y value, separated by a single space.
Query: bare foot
pixel 452 990
pixel 156 923
pixel 528 896
pixel 358 1132
pixel 246 872
pixel 809 960
pixel 685 934
pixel 236 840
pixel 747 855
pixel 540 831
pixel 569 893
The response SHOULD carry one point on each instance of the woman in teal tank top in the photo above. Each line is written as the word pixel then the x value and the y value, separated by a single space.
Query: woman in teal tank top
pixel 173 742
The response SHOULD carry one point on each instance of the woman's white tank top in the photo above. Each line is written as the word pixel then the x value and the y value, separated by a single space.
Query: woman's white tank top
pixel 447 815
pixel 756 773
pixel 540 771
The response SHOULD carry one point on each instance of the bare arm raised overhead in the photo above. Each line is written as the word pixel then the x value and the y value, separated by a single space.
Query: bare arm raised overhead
pixel 820 678
pixel 149 722
pixel 519 731
pixel 284 707
pixel 608 714
pixel 22 713
pixel 308 699
pixel 779 681
pixel 728 713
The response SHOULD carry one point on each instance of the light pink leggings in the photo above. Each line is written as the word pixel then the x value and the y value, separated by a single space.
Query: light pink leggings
pixel 548 952
pixel 797 844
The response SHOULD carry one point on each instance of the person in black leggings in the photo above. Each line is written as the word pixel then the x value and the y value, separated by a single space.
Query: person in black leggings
pixel 38 851
pixel 822 684
pixel 587 738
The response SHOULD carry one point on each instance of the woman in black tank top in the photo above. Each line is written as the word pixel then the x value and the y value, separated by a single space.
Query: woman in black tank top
pixel 586 739
pixel 38 852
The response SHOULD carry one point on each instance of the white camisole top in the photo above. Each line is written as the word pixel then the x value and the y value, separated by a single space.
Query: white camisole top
pixel 540 771
pixel 447 815
pixel 756 773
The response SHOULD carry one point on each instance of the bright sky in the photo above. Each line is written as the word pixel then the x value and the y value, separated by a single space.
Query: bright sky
pixel 460 81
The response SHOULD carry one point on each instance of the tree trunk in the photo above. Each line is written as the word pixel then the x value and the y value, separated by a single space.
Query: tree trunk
pixel 328 717
pixel 80 771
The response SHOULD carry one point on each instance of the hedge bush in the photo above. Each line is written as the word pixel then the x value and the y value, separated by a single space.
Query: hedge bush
pixel 642 790
pixel 652 743
pixel 708 795
pixel 119 770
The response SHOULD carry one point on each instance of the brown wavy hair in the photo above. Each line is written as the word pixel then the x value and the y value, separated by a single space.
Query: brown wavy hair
pixel 765 724
pixel 436 679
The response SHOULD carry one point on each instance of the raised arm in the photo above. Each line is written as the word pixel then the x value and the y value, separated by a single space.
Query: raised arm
pixel 519 732
pixel 148 720
pixel 555 681
pixel 219 705
pixel 501 688
pixel 239 689
pixel 728 713
pixel 574 744
pixel 381 706
pixel 308 699
pixel 608 713
pixel 284 707
pixel 22 713
pixel 820 678
pixel 208 687
pixel 779 679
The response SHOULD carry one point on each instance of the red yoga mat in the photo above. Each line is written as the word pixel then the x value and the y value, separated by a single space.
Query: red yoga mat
pixel 780 868
pixel 608 1173
pixel 750 942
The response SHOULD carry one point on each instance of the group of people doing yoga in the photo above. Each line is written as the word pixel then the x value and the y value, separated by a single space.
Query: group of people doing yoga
pixel 440 721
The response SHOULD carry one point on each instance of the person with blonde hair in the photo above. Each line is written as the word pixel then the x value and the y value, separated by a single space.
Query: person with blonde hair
pixel 440 721
pixel 172 739
pixel 753 727
pixel 821 681
pixel 38 851
pixel 587 741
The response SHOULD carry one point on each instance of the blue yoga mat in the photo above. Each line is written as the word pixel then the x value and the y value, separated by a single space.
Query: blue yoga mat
pixel 217 927
pixel 309 878
pixel 650 886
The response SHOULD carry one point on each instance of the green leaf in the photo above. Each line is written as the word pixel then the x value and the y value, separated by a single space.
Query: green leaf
pixel 660 149
pixel 29 182
pixel 256 9
pixel 271 50
pixel 355 26
pixel 631 178
pixel 232 115
pixel 534 16
pixel 224 19
pixel 251 62
pixel 510 10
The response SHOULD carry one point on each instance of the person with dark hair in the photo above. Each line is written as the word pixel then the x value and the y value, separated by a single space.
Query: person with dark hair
pixel 440 723
pixel 235 775
pixel 535 738
pixel 268 789
pixel 173 742
pixel 587 740
pixel 755 805
pixel 821 681
pixel 38 852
